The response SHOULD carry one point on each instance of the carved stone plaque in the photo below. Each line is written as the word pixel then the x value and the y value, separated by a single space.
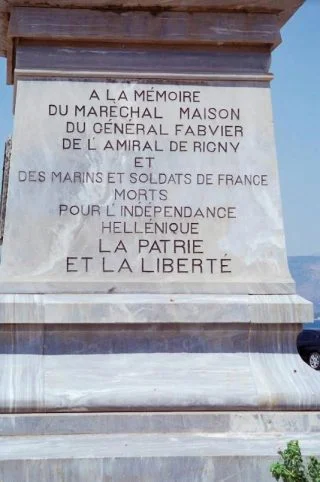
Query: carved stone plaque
pixel 123 186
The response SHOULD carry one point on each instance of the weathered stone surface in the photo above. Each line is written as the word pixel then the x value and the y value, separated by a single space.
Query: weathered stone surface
pixel 133 469
pixel 144 27
pixel 99 218
pixel 164 367
pixel 227 343
pixel 284 8
pixel 143 308
pixel 3 33
pixel 144 447
pixel 222 422
pixel 4 186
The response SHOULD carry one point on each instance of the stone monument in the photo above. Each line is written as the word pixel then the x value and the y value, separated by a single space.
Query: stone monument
pixel 149 317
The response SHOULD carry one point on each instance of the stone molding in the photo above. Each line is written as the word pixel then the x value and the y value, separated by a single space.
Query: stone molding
pixel 143 309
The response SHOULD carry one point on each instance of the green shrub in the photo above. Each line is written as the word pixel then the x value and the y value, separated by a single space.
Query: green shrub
pixel 292 469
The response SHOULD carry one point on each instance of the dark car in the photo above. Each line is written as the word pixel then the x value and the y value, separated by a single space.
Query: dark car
pixel 308 345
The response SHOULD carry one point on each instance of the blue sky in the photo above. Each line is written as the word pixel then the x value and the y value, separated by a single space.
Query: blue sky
pixel 296 105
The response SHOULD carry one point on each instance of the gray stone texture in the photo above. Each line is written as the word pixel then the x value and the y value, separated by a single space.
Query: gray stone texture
pixel 156 308
pixel 241 251
pixel 4 186
pixel 147 447
pixel 284 8
pixel 154 366
pixel 256 423
pixel 186 381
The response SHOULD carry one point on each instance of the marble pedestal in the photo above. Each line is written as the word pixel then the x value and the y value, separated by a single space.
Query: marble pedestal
pixel 124 355
pixel 145 447
pixel 100 353
pixel 152 387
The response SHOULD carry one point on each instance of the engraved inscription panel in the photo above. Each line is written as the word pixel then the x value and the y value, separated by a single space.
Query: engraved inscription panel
pixel 139 186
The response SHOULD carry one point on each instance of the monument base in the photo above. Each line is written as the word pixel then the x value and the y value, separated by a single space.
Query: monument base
pixel 145 447
pixel 72 308
pixel 120 352
pixel 153 388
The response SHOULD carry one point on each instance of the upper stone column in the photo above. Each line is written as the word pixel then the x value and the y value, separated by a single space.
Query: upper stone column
pixel 234 36
pixel 143 155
